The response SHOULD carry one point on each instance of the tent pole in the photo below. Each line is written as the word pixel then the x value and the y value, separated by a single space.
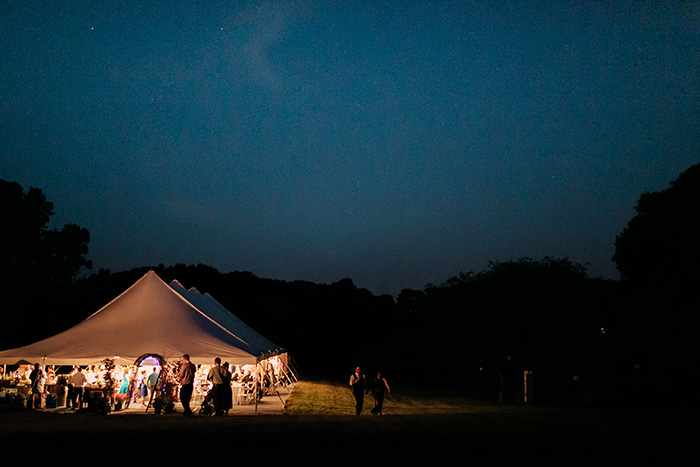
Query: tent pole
pixel 291 369
pixel 278 395
pixel 293 379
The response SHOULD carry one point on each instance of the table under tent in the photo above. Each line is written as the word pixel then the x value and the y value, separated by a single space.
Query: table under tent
pixel 154 324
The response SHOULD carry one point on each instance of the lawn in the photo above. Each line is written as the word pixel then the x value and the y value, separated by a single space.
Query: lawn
pixel 319 427
pixel 326 398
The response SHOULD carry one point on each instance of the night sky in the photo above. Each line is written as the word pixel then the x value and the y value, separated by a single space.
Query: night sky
pixel 395 143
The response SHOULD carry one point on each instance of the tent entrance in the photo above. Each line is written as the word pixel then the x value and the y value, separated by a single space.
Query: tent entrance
pixel 154 360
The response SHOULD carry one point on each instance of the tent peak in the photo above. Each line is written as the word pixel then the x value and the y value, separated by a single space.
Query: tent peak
pixel 149 317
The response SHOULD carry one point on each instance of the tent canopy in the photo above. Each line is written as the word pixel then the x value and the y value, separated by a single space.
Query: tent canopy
pixel 150 317
pixel 257 344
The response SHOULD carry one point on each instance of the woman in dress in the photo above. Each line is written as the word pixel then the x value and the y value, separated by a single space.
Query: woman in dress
pixel 124 388
pixel 379 387
pixel 144 388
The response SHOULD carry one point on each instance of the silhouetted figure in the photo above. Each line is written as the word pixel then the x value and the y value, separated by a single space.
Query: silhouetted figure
pixel 217 378
pixel 379 388
pixel 38 378
pixel 186 378
pixel 226 391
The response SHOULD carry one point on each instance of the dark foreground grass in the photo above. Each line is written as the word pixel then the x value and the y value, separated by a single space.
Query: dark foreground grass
pixel 417 428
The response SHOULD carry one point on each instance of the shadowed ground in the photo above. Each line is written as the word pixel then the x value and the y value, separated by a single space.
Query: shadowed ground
pixel 477 432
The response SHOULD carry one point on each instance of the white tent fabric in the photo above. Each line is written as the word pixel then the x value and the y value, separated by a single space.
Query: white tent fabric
pixel 148 318
pixel 257 344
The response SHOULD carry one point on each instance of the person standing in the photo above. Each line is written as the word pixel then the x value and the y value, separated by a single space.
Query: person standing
pixel 123 393
pixel 69 389
pixel 38 380
pixel 357 384
pixel 379 387
pixel 186 378
pixel 78 380
pixel 143 387
pixel 151 382
pixel 216 376
pixel 226 392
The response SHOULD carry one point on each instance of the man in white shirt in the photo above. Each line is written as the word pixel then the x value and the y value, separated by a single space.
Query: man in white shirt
pixel 78 380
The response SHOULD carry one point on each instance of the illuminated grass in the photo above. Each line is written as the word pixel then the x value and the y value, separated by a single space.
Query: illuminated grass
pixel 328 398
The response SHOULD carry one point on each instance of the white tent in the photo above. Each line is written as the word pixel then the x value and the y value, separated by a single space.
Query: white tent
pixel 150 317
pixel 257 344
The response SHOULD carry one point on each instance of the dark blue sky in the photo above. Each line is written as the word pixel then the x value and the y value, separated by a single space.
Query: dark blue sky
pixel 395 143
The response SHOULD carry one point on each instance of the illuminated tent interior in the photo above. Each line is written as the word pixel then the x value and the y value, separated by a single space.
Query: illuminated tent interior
pixel 151 317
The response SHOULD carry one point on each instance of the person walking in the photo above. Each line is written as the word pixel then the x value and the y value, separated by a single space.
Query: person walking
pixel 357 384
pixel 379 388
pixel 186 378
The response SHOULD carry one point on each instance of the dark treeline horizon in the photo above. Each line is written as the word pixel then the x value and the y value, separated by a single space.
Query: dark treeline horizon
pixel 585 340
pixel 476 331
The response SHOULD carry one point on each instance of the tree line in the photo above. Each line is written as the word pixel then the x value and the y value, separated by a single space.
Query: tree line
pixel 585 339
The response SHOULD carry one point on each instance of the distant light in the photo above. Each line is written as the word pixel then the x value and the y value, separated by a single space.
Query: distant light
pixel 602 330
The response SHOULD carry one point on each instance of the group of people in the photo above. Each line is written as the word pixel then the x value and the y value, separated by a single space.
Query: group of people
pixel 220 392
pixel 219 376
pixel 76 382
pixel 147 384
pixel 37 379
pixel 378 386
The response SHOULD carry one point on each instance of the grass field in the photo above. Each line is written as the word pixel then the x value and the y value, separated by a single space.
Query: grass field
pixel 319 427
pixel 324 398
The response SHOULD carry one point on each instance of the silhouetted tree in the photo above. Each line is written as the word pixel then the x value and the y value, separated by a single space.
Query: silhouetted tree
pixel 657 255
pixel 519 315
pixel 36 263
pixel 410 302
pixel 661 244
pixel 32 250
